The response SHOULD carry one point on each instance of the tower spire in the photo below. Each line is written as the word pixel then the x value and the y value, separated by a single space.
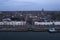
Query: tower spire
pixel 42 12
pixel 42 9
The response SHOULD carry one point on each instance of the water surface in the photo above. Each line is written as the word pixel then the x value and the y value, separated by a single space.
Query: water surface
pixel 29 36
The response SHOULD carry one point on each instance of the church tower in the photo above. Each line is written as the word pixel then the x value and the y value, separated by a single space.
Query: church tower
pixel 42 11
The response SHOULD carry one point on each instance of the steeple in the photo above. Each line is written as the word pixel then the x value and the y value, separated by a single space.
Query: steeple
pixel 42 10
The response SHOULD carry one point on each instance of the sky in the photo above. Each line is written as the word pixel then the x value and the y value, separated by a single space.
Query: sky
pixel 27 5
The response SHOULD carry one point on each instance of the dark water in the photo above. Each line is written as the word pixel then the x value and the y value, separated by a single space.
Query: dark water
pixel 29 36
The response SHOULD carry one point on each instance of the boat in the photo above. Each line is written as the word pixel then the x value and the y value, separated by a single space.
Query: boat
pixel 13 26
pixel 52 30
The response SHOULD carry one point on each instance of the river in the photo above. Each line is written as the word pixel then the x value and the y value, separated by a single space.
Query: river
pixel 29 36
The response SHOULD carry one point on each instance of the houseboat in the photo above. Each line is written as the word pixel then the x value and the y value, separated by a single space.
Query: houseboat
pixel 46 26
pixel 8 25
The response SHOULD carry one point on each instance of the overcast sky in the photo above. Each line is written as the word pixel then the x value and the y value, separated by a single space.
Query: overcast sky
pixel 16 5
